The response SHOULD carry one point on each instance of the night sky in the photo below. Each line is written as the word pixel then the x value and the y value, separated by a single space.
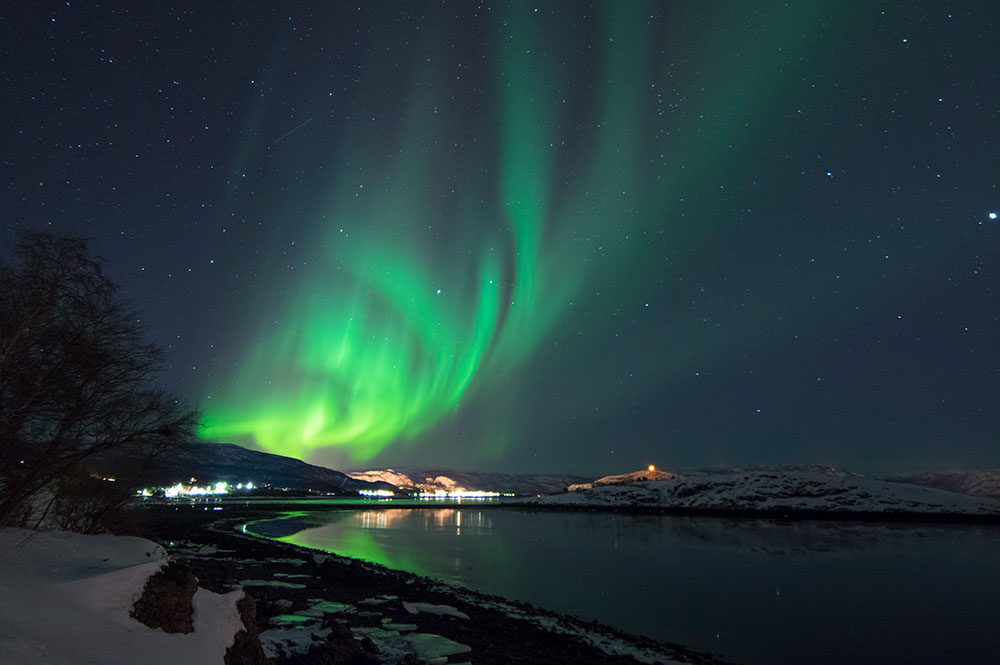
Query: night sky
pixel 550 236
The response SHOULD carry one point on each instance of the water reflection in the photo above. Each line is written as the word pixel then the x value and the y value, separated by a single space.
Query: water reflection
pixel 808 538
pixel 441 519
pixel 375 535
pixel 753 591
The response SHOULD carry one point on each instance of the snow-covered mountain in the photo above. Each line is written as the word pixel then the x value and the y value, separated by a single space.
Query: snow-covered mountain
pixel 779 491
pixel 983 482
pixel 431 480
pixel 625 479
pixel 226 462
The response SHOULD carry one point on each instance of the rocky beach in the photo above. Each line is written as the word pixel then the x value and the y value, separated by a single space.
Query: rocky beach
pixel 317 607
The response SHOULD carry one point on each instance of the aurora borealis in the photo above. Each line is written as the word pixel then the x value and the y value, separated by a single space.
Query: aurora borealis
pixel 384 342
pixel 538 236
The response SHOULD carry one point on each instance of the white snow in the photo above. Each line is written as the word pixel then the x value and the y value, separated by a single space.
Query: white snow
pixel 398 627
pixel 430 608
pixel 592 634
pixel 780 490
pixel 293 639
pixel 321 607
pixel 977 482
pixel 274 583
pixel 428 647
pixel 296 633
pixel 624 479
pixel 67 598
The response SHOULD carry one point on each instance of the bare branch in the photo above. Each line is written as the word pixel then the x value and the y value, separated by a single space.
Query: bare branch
pixel 76 374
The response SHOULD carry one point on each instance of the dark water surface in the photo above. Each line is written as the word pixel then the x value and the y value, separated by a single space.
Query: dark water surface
pixel 753 591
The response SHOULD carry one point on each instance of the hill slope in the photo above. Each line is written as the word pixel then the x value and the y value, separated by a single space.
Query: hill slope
pixel 430 480
pixel 218 462
pixel 785 490
pixel 983 482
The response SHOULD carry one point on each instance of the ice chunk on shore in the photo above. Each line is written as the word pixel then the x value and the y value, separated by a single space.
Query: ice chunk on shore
pixel 426 646
pixel 291 619
pixel 321 607
pixel 293 639
pixel 274 583
pixel 429 608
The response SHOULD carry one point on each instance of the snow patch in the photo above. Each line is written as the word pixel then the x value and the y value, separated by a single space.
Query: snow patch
pixel 321 607
pixel 294 639
pixel 427 647
pixel 779 490
pixel 67 599
pixel 274 583
pixel 429 608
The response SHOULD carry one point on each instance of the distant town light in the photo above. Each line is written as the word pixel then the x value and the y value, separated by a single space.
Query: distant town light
pixel 457 494
pixel 181 490
pixel 380 493
pixel 652 467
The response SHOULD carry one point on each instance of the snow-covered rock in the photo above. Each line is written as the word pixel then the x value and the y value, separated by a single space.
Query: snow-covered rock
pixel 625 479
pixel 981 482
pixel 67 598
pixel 430 608
pixel 778 490
pixel 432 480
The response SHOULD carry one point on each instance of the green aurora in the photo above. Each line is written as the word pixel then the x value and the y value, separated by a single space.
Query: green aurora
pixel 558 236
pixel 408 307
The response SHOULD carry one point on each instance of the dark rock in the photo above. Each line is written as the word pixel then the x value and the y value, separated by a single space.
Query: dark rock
pixel 166 600
pixel 409 659
pixel 369 646
pixel 246 648
pixel 339 648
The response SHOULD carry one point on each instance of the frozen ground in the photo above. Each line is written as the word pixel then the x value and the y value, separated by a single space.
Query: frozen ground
pixel 779 490
pixel 66 600
pixel 977 482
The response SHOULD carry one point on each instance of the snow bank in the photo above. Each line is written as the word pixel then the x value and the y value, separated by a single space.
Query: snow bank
pixel 67 598
pixel 430 608
pixel 783 490
pixel 978 482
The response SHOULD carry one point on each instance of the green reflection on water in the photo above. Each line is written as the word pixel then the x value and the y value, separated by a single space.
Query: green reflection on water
pixel 426 542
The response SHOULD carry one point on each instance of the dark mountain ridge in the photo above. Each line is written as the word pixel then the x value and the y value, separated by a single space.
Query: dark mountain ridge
pixel 210 463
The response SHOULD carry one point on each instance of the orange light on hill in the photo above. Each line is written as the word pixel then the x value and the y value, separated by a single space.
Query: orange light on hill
pixel 652 467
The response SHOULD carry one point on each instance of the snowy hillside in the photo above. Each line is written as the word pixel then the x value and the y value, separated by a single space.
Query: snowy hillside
pixel 625 479
pixel 430 480
pixel 67 598
pixel 984 482
pixel 778 490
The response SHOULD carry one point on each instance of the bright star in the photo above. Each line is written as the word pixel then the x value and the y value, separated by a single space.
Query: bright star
pixel 993 215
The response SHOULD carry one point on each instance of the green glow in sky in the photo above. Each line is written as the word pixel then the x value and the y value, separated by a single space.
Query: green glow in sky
pixel 384 339
pixel 407 306
pixel 363 366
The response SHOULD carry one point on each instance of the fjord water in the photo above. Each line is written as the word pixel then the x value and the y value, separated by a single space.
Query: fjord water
pixel 752 591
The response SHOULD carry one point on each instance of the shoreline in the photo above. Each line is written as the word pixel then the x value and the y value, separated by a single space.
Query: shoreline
pixel 271 505
pixel 285 579
pixel 784 515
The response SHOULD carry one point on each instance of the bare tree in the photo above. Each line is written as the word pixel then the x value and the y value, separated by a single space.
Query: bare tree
pixel 76 376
